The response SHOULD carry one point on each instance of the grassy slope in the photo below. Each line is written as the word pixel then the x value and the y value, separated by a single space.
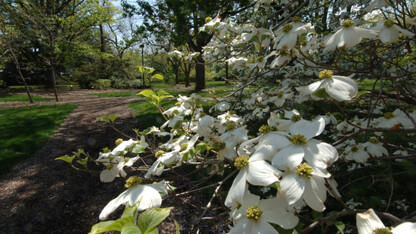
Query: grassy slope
pixel 23 130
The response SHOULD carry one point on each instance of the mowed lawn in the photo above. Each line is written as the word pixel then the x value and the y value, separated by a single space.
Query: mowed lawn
pixel 24 130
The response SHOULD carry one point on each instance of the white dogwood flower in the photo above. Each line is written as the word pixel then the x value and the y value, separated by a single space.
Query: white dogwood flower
pixel 304 147
pixel 368 223
pixel 375 148
pixel 253 170
pixel 389 31
pixel 305 182
pixel 254 215
pixel 348 36
pixel 149 195
pixel 340 88
pixel 357 153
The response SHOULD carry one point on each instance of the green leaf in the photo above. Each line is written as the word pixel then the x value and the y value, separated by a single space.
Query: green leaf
pixel 66 158
pixel 177 227
pixel 140 69
pixel 158 76
pixel 321 93
pixel 83 161
pixel 150 218
pixel 111 225
pixel 104 118
pixel 317 214
pixel 131 211
pixel 138 149
pixel 147 93
pixel 340 226
pixel 362 92
pixel 113 118
pixel 130 228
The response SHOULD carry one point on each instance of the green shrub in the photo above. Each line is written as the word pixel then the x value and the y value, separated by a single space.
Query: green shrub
pixel 101 84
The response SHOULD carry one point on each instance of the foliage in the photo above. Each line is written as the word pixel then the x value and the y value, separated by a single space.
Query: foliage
pixel 101 84
pixel 23 130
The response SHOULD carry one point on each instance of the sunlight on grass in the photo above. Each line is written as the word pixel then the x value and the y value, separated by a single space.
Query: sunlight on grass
pixel 24 130
pixel 21 98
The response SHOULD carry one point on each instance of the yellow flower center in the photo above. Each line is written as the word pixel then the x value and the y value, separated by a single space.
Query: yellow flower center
pixel 389 115
pixel 296 118
pixel 184 146
pixel 110 167
pixel 119 141
pixel 287 28
pixel 126 159
pixel 253 213
pixel 347 23
pixel 280 94
pixel 133 181
pixel 230 125
pixel 296 19
pixel 106 150
pixel 354 149
pixel 373 140
pixel 388 23
pixel 326 74
pixel 284 52
pixel 299 140
pixel 265 129
pixel 208 19
pixel 159 153
pixel 218 145
pixel 202 114
pixel 304 170
pixel 178 104
pixel 382 231
pixel 241 162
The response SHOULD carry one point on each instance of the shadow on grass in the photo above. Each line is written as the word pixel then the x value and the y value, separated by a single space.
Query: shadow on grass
pixel 24 130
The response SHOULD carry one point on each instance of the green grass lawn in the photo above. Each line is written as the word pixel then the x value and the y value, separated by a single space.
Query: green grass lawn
pixel 21 98
pixel 24 130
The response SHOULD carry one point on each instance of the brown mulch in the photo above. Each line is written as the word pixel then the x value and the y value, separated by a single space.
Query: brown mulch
pixel 42 195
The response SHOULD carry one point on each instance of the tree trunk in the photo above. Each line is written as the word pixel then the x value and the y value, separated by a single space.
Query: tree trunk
pixel 16 62
pixel 187 72
pixel 200 73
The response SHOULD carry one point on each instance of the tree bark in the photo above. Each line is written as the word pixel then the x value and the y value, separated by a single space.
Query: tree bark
pixel 200 73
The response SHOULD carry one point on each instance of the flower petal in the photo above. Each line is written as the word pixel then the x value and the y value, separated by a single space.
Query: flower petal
pixel 308 128
pixel 315 193
pixel 341 88
pixel 320 154
pixel 275 211
pixel 289 158
pixel 368 221
pixel 236 193
pixel 292 187
pixel 262 173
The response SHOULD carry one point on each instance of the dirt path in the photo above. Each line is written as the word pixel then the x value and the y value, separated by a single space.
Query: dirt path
pixel 41 195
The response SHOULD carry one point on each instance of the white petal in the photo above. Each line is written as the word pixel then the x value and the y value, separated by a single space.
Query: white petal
pixel 341 88
pixel 313 87
pixel 236 192
pixel 407 227
pixel 148 196
pixel 368 221
pixel 404 31
pixel 315 193
pixel 320 154
pixel 292 187
pixel 349 38
pixel 261 173
pixel 275 211
pixel 388 35
pixel 289 157
pixel 113 204
pixel 365 33
pixel 308 128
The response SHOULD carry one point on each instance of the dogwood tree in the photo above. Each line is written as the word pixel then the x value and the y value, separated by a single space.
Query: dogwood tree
pixel 324 105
